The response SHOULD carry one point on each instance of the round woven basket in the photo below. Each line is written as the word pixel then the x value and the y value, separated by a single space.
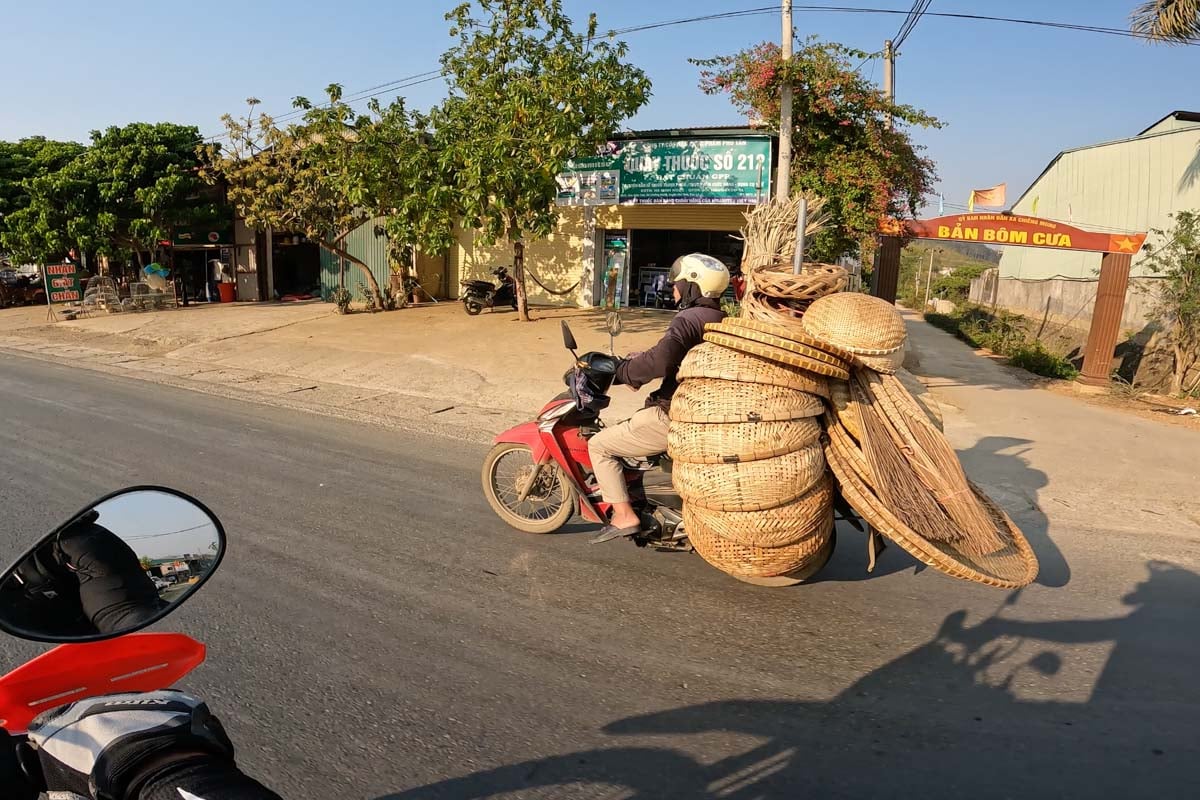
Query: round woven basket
pixel 792 331
pixel 779 355
pixel 888 365
pixel 709 360
pixel 773 340
pixel 860 323
pixel 710 400
pixel 813 282
pixel 775 527
pixel 750 485
pixel 772 309
pixel 1012 567
pixel 732 442
pixel 731 557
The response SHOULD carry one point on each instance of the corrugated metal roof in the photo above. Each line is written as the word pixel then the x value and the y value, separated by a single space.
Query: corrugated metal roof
pixel 697 130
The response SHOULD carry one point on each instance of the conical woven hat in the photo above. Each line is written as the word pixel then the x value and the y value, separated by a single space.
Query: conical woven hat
pixel 860 323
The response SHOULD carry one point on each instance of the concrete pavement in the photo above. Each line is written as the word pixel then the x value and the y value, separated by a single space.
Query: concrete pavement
pixel 376 632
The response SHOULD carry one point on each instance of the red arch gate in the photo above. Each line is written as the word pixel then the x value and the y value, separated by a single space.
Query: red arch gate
pixel 1012 229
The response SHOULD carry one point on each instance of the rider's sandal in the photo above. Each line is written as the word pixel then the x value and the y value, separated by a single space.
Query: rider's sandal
pixel 610 532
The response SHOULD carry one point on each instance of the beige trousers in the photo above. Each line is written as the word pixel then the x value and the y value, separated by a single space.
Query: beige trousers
pixel 644 434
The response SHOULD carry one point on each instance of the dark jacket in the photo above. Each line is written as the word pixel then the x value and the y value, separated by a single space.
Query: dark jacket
pixel 663 360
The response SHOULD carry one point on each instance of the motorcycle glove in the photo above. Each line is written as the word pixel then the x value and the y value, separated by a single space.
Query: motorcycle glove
pixel 110 746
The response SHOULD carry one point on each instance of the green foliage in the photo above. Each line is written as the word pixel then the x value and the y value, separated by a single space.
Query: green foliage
pixel 384 300
pixel 842 148
pixel 1005 334
pixel 121 195
pixel 914 272
pixel 335 170
pixel 1177 296
pixel 341 298
pixel 732 308
pixel 24 160
pixel 1034 357
pixel 526 94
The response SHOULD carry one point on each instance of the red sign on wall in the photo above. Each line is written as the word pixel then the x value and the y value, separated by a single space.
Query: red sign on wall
pixel 1014 229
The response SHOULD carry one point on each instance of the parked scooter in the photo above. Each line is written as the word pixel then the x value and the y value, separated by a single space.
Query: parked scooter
pixel 540 473
pixel 90 585
pixel 478 295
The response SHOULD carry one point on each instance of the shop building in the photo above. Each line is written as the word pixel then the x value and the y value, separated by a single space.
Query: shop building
pixel 626 214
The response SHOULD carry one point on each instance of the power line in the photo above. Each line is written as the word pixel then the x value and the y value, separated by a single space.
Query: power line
pixel 919 7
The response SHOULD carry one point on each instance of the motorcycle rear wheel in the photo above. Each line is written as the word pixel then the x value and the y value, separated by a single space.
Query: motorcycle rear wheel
pixel 547 507
pixel 472 307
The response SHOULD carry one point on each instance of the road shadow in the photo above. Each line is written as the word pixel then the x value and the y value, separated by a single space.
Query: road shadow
pixel 979 711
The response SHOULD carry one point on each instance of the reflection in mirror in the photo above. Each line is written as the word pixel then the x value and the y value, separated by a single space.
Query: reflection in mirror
pixel 123 564
pixel 568 337
pixel 614 323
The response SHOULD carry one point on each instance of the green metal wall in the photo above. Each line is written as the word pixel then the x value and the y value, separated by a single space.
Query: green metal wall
pixel 362 244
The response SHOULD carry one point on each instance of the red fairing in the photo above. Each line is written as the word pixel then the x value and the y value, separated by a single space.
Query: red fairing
pixel 137 662
pixel 527 434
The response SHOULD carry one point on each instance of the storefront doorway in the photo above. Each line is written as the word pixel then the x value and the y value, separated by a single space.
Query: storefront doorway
pixel 296 264
pixel 637 262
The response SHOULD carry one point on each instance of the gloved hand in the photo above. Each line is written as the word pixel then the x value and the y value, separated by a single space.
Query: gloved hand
pixel 109 746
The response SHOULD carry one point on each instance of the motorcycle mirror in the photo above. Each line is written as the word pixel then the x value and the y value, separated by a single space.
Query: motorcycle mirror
pixel 568 337
pixel 614 323
pixel 119 565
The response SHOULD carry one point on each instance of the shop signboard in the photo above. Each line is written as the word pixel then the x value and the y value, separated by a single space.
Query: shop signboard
pixel 63 283
pixel 204 236
pixel 734 171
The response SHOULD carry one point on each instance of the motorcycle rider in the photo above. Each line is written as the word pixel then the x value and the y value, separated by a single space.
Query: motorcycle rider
pixel 699 281
pixel 88 579
pixel 145 746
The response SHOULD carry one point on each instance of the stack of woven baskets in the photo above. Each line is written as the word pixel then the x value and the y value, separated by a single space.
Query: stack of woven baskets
pixel 751 455
pixel 745 439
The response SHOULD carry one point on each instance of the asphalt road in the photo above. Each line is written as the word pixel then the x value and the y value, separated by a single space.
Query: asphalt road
pixel 375 632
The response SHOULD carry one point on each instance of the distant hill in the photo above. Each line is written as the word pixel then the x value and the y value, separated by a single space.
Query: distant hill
pixel 974 250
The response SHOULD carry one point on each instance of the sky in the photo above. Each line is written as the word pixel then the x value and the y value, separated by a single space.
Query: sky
pixel 158 525
pixel 1012 96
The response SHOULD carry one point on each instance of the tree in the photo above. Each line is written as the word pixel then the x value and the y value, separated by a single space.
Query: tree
pixel 24 160
pixel 119 197
pixel 526 94
pixel 1177 296
pixel 1172 21
pixel 842 147
pixel 334 171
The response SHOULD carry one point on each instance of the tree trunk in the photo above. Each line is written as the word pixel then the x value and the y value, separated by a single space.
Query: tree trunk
pixel 519 278
pixel 377 296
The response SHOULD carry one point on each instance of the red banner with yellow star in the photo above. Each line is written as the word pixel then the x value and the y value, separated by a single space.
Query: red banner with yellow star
pixel 1014 229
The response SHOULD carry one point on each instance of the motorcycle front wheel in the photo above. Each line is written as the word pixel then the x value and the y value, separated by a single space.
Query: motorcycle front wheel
pixel 472 307
pixel 548 503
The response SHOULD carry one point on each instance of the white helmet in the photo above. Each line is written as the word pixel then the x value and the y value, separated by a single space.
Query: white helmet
pixel 705 271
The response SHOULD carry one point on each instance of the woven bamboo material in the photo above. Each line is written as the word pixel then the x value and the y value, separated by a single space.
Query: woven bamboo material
pixel 792 331
pixel 732 442
pixel 710 400
pixel 933 463
pixel 771 309
pixel 864 325
pixel 814 281
pixel 844 409
pixel 709 360
pixel 805 556
pixel 770 231
pixel 743 345
pixel 1012 567
pixel 886 365
pixel 919 395
pixel 750 485
pixel 775 341
pixel 776 527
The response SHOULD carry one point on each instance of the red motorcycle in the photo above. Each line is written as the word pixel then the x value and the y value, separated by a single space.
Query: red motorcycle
pixel 164 544
pixel 537 475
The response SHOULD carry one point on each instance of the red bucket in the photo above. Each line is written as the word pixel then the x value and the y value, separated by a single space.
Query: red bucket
pixel 226 292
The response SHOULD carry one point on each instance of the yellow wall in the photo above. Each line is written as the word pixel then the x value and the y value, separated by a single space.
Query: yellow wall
pixel 561 259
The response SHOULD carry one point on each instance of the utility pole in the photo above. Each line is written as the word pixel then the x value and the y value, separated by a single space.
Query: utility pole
pixel 928 280
pixel 889 76
pixel 783 176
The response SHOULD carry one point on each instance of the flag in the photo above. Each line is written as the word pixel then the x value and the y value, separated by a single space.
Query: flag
pixel 1035 204
pixel 993 197
pixel 941 205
